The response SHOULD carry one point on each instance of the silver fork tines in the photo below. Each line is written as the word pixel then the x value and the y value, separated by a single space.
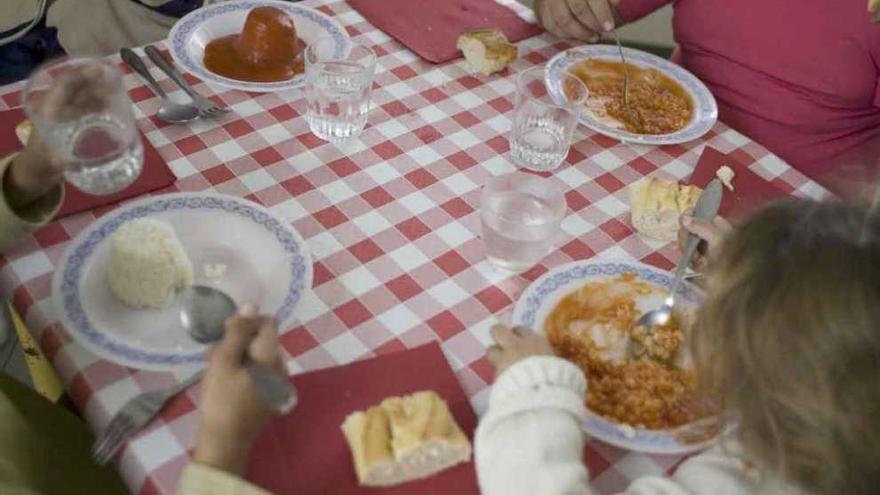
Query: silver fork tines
pixel 207 108
pixel 133 416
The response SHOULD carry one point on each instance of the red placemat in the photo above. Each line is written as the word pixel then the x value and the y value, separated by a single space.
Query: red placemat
pixel 155 174
pixel 305 451
pixel 430 28
pixel 750 190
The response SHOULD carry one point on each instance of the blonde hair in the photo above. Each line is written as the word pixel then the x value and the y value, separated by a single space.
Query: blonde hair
pixel 789 337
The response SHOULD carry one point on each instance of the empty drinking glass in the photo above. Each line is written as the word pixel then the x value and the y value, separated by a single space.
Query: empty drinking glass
pixel 81 111
pixel 521 214
pixel 338 87
pixel 544 119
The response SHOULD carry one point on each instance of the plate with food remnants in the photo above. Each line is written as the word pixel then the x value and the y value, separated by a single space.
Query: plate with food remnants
pixel 251 45
pixel 642 392
pixel 117 286
pixel 666 103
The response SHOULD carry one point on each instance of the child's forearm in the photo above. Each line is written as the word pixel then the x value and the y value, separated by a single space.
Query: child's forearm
pixel 530 440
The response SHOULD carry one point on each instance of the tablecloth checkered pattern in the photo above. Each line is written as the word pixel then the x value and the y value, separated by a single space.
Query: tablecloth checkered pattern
pixel 391 221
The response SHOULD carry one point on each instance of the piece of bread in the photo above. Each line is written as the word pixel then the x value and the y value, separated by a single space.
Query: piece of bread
pixel 657 204
pixel 726 174
pixel 487 50
pixel 404 439
pixel 874 10
pixel 23 130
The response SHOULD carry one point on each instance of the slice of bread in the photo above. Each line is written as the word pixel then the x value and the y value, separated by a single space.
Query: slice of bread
pixel 487 50
pixel 23 130
pixel 404 439
pixel 657 204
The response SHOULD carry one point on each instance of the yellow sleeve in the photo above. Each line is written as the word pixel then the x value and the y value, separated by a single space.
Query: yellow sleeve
pixel 15 223
pixel 199 479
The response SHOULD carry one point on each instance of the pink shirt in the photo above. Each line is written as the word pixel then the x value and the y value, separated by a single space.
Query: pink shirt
pixel 802 78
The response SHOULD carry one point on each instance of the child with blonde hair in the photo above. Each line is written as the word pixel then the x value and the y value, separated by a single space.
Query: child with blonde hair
pixel 788 337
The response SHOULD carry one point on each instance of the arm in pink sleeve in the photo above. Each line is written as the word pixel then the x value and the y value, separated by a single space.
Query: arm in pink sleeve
pixel 633 10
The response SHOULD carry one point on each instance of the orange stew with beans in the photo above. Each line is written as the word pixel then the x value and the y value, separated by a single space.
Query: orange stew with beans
pixel 643 393
pixel 657 104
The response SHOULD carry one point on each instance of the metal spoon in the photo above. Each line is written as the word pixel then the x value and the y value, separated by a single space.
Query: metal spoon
pixel 706 209
pixel 170 111
pixel 204 314
pixel 625 71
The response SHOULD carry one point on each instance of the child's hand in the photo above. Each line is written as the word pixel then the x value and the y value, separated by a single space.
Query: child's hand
pixel 711 233
pixel 515 344
pixel 232 414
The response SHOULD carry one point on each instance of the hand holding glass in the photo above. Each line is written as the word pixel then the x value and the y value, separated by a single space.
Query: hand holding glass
pixel 81 111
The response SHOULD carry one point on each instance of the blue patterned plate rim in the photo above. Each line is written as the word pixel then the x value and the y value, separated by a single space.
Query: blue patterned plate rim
pixel 705 106
pixel 568 277
pixel 70 271
pixel 180 33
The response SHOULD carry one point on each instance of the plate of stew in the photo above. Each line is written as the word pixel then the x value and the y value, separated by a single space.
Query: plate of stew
pixel 251 45
pixel 646 402
pixel 666 103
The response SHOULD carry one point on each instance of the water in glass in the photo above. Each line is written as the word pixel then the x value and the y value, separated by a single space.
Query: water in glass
pixel 521 216
pixel 82 112
pixel 544 120
pixel 103 154
pixel 338 88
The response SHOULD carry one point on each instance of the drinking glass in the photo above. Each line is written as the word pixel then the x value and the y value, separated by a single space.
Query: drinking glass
pixel 338 87
pixel 521 214
pixel 82 112
pixel 544 119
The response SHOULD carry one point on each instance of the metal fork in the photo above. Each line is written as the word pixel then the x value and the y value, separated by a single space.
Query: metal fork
pixel 207 108
pixel 625 71
pixel 133 416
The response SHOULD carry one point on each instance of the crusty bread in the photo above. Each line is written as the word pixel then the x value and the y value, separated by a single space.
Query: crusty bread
pixel 657 204
pixel 874 9
pixel 403 439
pixel 23 131
pixel 487 50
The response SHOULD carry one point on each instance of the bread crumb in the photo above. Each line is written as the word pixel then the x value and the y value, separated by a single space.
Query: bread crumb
pixel 214 271
pixel 725 174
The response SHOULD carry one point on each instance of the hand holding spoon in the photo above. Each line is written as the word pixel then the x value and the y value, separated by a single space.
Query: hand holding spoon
pixel 204 314
pixel 706 209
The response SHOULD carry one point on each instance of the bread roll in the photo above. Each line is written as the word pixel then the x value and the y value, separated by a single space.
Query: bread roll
pixel 404 439
pixel 657 204
pixel 487 50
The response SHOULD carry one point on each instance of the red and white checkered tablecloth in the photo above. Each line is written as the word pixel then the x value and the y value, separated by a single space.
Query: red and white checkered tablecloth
pixel 392 224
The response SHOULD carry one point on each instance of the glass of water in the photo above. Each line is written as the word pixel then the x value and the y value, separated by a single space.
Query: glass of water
pixel 544 119
pixel 338 87
pixel 521 216
pixel 82 112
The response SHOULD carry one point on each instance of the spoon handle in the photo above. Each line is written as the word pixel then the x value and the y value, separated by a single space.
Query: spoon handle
pixel 169 69
pixel 132 60
pixel 274 389
pixel 706 209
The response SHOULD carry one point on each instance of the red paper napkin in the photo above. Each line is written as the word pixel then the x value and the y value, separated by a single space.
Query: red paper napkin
pixel 750 190
pixel 305 452
pixel 430 28
pixel 155 174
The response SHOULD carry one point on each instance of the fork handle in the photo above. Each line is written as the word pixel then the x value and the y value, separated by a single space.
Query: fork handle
pixel 168 68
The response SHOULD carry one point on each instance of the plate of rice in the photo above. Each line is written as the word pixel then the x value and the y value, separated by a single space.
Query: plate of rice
pixel 645 403
pixel 116 286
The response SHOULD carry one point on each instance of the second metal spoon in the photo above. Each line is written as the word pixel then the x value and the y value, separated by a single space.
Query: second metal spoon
pixel 170 111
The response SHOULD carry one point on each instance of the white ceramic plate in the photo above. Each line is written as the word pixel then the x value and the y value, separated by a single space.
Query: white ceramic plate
pixel 705 108
pixel 267 263
pixel 194 31
pixel 542 296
